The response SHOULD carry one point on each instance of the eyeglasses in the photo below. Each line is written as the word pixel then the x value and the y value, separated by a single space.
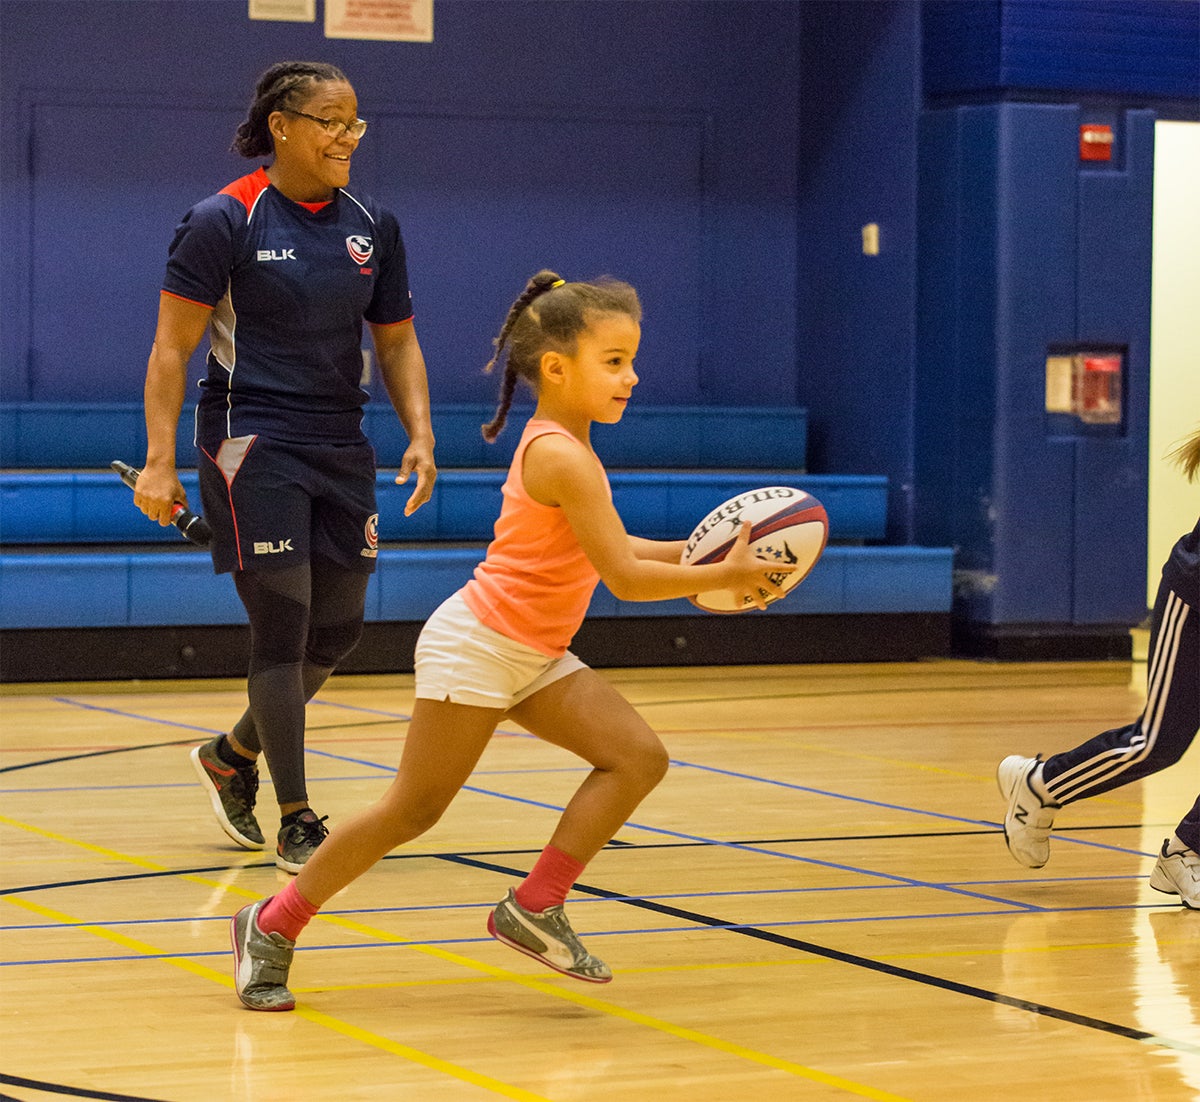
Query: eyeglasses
pixel 333 127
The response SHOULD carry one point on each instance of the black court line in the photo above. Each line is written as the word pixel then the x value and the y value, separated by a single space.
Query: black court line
pixel 123 877
pixel 842 957
pixel 70 1092
pixel 97 754
pixel 696 918
pixel 616 843
pixel 173 742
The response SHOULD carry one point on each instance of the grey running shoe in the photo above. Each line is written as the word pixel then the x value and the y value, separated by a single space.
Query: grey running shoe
pixel 1177 872
pixel 231 792
pixel 298 840
pixel 546 936
pixel 261 962
pixel 1027 821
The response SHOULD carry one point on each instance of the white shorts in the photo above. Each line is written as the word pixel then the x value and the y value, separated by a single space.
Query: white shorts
pixel 466 662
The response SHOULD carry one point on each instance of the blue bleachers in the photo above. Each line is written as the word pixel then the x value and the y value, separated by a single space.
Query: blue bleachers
pixel 135 588
pixel 95 507
pixel 76 553
pixel 51 435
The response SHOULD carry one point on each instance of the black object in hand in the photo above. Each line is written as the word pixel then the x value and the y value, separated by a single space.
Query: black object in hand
pixel 194 527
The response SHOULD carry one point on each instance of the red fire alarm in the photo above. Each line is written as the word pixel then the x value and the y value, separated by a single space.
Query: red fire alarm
pixel 1095 142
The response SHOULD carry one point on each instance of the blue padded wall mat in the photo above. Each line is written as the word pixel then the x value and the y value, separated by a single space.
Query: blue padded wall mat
pixel 95 507
pixel 42 434
pixel 170 586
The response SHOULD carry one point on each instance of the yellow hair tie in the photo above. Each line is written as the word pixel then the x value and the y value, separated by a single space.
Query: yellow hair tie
pixel 557 283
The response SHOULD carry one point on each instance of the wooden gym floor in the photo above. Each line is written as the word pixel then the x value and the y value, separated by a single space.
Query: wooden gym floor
pixel 815 904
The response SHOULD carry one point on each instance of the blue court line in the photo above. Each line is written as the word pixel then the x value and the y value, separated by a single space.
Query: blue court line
pixel 402 717
pixel 265 781
pixel 135 715
pixel 742 847
pixel 887 806
pixel 583 901
pixel 403 942
pixel 676 762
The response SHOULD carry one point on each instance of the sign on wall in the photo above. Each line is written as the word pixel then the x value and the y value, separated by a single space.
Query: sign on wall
pixel 380 20
pixel 296 11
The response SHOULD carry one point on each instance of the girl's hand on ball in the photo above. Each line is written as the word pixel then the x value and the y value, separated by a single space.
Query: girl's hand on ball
pixel 754 580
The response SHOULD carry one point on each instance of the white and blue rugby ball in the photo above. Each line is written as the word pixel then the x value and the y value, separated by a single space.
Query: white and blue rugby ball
pixel 787 525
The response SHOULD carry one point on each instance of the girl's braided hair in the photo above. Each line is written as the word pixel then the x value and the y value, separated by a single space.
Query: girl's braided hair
pixel 548 316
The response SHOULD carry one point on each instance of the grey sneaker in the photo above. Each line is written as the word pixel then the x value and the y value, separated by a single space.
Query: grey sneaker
pixel 546 936
pixel 298 841
pixel 261 962
pixel 1027 821
pixel 231 792
pixel 1177 872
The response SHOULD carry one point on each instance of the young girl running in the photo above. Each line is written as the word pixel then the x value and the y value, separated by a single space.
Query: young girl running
pixel 498 647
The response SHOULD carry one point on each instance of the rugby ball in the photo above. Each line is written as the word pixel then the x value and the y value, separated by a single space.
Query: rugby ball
pixel 787 525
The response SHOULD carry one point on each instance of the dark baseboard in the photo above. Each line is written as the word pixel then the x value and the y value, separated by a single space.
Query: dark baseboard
pixel 1041 642
pixel 763 640
pixel 155 653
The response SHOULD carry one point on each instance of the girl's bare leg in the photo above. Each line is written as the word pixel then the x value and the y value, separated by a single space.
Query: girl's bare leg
pixel 443 744
pixel 584 714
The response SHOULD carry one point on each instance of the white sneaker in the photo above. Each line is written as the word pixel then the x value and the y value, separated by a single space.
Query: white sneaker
pixel 1177 872
pixel 1027 821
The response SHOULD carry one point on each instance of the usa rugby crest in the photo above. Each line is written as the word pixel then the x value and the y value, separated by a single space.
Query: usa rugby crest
pixel 360 248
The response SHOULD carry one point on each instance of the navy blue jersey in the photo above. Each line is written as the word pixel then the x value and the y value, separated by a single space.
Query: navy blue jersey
pixel 289 286
pixel 1182 570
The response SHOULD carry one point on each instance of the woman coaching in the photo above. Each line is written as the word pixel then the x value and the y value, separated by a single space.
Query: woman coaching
pixel 281 268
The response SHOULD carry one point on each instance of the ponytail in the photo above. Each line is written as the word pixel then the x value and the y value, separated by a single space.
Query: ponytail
pixel 539 285
pixel 1187 456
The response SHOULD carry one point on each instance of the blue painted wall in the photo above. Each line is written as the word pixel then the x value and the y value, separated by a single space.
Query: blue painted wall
pixel 1026 250
pixel 723 156
pixel 1131 49
pixel 860 97
pixel 655 141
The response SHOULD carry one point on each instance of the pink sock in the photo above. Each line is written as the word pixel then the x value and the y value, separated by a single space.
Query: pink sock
pixel 286 913
pixel 549 881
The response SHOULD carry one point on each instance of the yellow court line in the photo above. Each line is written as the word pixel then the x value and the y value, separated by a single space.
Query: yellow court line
pixel 416 1056
pixel 141 862
pixel 634 1016
pixel 611 1009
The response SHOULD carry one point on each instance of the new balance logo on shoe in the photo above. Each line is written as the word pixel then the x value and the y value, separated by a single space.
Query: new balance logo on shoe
pixel 1026 827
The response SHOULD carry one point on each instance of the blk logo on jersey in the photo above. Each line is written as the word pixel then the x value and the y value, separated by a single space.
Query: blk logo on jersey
pixel 360 248
pixel 277 547
pixel 276 254
pixel 371 535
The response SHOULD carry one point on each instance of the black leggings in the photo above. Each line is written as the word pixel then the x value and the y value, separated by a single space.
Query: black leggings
pixel 303 621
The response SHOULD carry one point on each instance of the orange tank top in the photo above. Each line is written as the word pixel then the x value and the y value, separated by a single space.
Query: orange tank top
pixel 536 583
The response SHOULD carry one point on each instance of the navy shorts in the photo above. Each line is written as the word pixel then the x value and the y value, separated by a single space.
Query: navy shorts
pixel 273 504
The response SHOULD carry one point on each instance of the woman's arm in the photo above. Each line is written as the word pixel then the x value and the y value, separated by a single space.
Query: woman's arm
pixel 559 472
pixel 181 325
pixel 402 367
